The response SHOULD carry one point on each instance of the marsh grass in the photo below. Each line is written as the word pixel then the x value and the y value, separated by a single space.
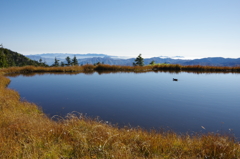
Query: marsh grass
pixel 104 67
pixel 26 132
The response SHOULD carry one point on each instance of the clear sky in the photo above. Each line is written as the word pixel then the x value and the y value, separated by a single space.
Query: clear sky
pixel 190 28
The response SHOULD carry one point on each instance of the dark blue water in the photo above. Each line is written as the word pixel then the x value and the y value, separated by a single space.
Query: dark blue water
pixel 149 100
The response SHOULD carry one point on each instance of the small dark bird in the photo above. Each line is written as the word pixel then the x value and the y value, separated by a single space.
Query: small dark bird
pixel 174 79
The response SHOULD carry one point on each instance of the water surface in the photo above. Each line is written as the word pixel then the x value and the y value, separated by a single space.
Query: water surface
pixel 149 100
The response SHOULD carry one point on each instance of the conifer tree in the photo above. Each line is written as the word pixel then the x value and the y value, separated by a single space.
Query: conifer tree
pixel 62 64
pixel 56 62
pixel 74 61
pixel 3 59
pixel 139 61
pixel 152 63
pixel 68 59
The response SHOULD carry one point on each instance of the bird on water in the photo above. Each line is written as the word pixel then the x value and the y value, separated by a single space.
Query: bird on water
pixel 174 79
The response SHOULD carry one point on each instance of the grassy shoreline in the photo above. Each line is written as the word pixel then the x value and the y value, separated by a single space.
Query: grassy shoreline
pixel 102 67
pixel 26 132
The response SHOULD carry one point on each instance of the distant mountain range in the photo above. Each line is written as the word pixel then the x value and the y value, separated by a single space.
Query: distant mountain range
pixel 115 60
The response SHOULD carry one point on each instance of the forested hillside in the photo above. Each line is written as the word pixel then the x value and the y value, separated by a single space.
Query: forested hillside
pixel 10 58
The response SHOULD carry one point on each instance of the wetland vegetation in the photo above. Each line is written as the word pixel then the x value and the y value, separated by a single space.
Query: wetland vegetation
pixel 103 67
pixel 26 132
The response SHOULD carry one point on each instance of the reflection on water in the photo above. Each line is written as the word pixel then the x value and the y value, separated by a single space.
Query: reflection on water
pixel 150 99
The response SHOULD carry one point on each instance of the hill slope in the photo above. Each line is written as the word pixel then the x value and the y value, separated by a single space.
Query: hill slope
pixel 10 58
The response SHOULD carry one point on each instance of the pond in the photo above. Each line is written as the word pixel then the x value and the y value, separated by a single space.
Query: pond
pixel 206 102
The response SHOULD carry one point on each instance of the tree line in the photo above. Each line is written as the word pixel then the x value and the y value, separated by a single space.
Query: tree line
pixel 139 61
pixel 69 62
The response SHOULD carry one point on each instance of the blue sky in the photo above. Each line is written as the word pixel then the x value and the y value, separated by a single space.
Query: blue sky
pixel 190 28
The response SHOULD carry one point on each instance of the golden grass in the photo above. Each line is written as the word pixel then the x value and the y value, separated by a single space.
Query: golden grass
pixel 104 67
pixel 41 69
pixel 197 68
pixel 26 132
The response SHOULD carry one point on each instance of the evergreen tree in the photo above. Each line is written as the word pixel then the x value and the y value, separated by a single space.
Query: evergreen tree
pixel 74 61
pixel 68 59
pixel 13 63
pixel 152 63
pixel 62 64
pixel 56 62
pixel 139 61
pixel 98 63
pixel 3 59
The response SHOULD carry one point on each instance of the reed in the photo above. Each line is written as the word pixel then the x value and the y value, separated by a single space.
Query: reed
pixel 211 68
pixel 168 67
pixel 26 132
pixel 27 69
pixel 88 67
pixel 103 67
